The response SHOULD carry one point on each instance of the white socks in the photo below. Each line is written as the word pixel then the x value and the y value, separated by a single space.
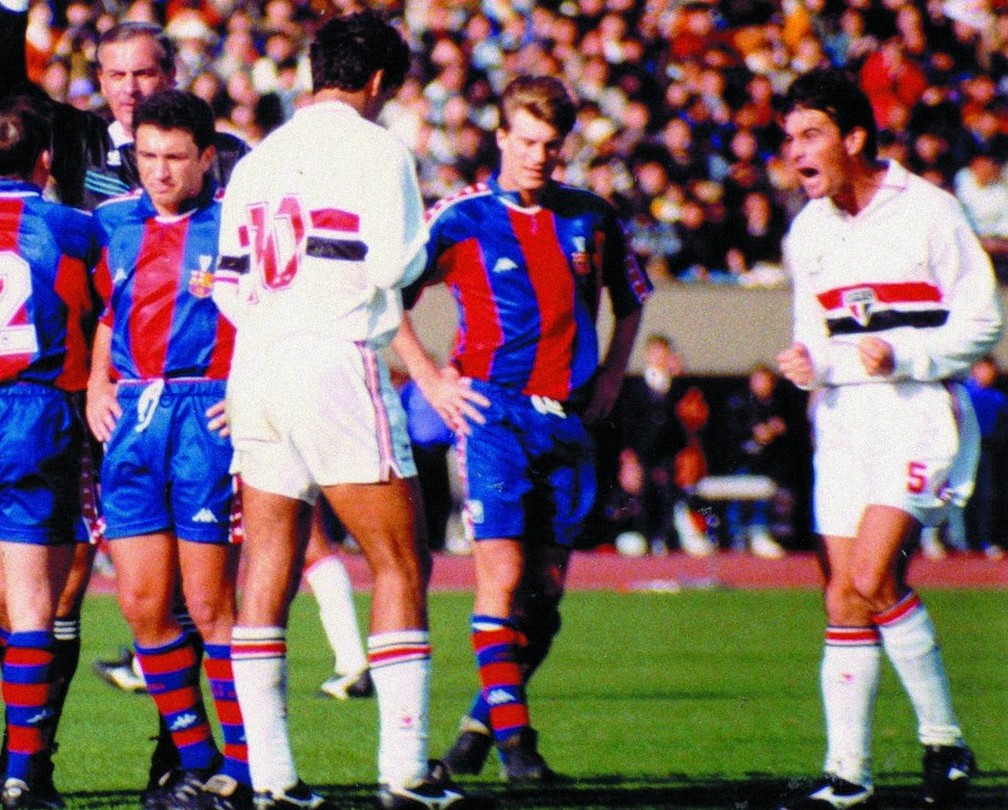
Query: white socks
pixel 910 641
pixel 400 668
pixel 851 667
pixel 259 661
pixel 330 583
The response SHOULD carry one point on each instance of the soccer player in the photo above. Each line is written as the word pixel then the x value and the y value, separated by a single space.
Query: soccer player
pixel 155 396
pixel 93 160
pixel 322 224
pixel 893 300
pixel 526 259
pixel 48 311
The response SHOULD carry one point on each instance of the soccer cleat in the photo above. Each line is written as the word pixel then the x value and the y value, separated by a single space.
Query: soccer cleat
pixel 223 792
pixel 947 772
pixel 424 795
pixel 521 760
pixel 763 545
pixel 298 797
pixel 121 673
pixel 344 687
pixel 833 792
pixel 18 795
pixel 469 753
pixel 176 790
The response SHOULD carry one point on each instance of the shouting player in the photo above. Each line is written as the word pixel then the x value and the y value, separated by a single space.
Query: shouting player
pixel 894 298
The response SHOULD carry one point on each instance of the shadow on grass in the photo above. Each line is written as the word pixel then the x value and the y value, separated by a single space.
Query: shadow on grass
pixel 757 792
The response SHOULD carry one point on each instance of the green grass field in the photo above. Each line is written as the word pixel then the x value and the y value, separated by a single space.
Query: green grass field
pixel 700 699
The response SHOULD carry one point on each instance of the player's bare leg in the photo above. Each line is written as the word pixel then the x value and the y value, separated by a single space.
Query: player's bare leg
pixel 870 608
pixel 275 530
pixel 33 577
pixel 384 519
pixel 146 571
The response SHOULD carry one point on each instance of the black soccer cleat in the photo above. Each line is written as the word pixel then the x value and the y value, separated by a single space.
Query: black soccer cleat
pixel 832 793
pixel 346 687
pixel 178 789
pixel 469 753
pixel 521 760
pixel 435 792
pixel 122 672
pixel 19 795
pixel 947 773
pixel 297 797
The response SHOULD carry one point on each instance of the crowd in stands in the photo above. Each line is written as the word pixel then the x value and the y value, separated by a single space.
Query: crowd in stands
pixel 676 124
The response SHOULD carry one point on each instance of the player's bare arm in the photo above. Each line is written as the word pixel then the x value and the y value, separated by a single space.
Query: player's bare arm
pixel 102 409
pixel 795 363
pixel 444 388
pixel 610 375
pixel 876 356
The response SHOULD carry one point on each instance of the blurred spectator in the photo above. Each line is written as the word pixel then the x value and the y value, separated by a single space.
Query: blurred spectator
pixel 661 418
pixel 982 189
pixel 985 512
pixel 702 254
pixel 759 430
pixel 755 235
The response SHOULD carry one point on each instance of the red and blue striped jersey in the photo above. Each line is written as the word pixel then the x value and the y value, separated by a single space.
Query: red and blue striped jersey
pixel 47 305
pixel 156 276
pixel 528 282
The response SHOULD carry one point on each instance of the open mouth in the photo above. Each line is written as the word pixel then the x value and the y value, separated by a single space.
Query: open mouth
pixel 808 172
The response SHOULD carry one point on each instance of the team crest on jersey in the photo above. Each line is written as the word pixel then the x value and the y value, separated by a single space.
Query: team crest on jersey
pixel 860 303
pixel 579 258
pixel 201 281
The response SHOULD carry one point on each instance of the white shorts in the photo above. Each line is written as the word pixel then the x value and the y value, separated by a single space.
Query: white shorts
pixel 313 415
pixel 912 446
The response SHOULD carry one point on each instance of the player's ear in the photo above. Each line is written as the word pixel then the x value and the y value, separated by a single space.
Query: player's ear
pixel 375 83
pixel 207 156
pixel 854 141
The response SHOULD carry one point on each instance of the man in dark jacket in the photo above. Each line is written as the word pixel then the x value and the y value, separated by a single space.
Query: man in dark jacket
pixel 94 159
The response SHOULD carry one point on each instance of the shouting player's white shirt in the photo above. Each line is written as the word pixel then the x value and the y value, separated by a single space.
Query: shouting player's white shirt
pixel 313 253
pixel 909 270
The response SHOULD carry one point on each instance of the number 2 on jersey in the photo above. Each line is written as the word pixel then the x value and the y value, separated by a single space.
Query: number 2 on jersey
pixel 18 338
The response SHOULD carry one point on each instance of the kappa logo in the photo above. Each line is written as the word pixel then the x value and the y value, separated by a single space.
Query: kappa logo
pixel 499 696
pixel 504 265
pixel 860 302
pixel 120 275
pixel 204 515
pixel 184 721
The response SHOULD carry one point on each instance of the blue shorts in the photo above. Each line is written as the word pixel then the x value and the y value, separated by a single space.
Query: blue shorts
pixel 41 447
pixel 164 469
pixel 528 472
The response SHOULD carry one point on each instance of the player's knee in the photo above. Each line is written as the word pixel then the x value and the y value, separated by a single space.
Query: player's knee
pixel 213 618
pixel 876 588
pixel 842 603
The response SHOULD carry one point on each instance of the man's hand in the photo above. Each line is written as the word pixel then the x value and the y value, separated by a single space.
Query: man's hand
pixel 604 394
pixel 452 396
pixel 876 356
pixel 102 407
pixel 217 419
pixel 795 364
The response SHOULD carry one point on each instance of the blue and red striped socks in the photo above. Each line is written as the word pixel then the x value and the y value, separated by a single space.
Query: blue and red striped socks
pixel 217 666
pixel 27 669
pixel 172 674
pixel 497 644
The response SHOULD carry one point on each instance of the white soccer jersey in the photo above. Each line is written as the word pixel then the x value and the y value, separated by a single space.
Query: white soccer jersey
pixel 908 269
pixel 322 224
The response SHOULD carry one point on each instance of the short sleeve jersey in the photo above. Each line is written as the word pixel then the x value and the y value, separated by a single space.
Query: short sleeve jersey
pixel 47 306
pixel 528 283
pixel 322 224
pixel 156 277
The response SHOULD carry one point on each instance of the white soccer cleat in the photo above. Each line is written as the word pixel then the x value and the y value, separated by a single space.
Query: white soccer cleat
pixel 762 544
